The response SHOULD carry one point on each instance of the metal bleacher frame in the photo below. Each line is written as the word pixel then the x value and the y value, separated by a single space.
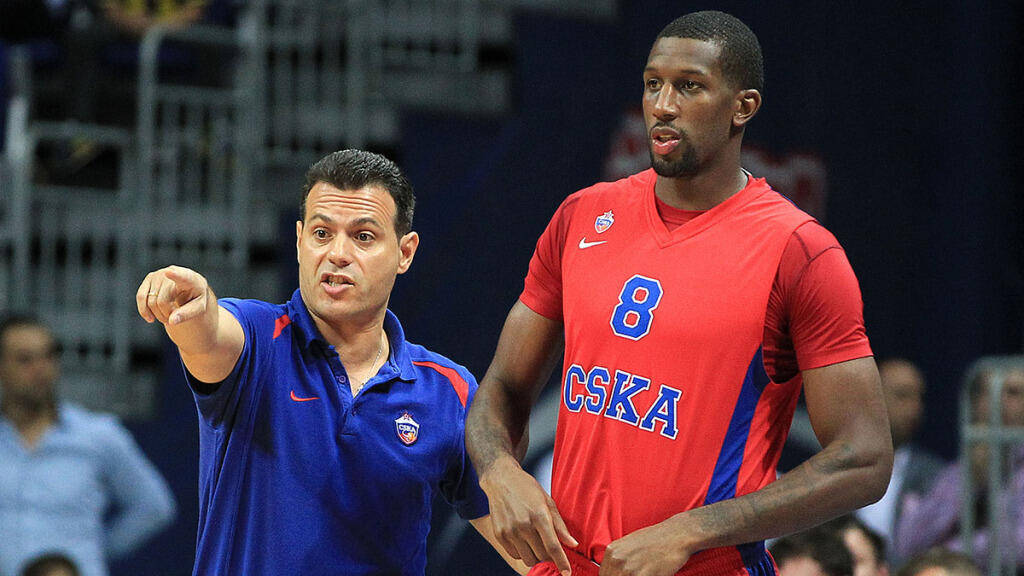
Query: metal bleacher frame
pixel 1001 439
pixel 63 252
pixel 206 170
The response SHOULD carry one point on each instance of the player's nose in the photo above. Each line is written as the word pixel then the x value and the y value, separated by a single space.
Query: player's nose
pixel 665 105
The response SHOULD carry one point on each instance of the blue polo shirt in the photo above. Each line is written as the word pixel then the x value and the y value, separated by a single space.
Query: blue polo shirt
pixel 298 477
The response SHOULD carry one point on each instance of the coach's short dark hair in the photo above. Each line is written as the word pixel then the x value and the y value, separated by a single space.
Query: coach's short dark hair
pixel 742 63
pixel 355 169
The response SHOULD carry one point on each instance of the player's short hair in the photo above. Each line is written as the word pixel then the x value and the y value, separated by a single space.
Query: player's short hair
pixel 741 60
pixel 823 546
pixel 14 320
pixel 355 169
pixel 954 563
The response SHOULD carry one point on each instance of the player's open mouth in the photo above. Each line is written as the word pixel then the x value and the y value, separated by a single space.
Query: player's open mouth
pixel 664 140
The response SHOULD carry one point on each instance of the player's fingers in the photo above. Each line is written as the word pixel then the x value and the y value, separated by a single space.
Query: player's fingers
pixel 505 543
pixel 191 309
pixel 519 549
pixel 561 530
pixel 552 548
pixel 528 552
pixel 544 545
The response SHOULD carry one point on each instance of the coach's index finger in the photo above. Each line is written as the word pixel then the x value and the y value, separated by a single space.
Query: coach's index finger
pixel 184 277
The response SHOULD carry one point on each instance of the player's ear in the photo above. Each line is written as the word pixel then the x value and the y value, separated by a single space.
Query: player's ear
pixel 408 245
pixel 748 102
pixel 298 237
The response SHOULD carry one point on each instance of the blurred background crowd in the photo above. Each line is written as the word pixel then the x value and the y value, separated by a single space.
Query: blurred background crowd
pixel 139 133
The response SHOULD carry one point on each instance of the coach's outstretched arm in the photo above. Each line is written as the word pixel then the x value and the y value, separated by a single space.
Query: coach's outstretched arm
pixel 526 522
pixel 847 410
pixel 209 339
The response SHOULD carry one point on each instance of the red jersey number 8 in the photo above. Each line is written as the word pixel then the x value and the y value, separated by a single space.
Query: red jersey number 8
pixel 633 316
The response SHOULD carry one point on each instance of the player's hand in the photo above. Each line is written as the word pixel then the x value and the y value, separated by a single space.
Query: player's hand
pixel 172 295
pixel 526 522
pixel 651 551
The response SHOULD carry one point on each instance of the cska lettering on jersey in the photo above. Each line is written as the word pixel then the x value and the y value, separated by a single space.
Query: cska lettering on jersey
pixel 601 393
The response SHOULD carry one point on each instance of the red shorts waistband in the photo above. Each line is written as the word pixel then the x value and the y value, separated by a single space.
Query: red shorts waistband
pixel 580 565
pixel 714 562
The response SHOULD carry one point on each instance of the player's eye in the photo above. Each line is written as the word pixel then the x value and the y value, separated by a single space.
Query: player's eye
pixel 652 84
pixel 320 234
pixel 364 237
pixel 690 85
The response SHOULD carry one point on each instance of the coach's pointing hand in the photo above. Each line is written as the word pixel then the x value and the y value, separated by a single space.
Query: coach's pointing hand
pixel 182 300
pixel 526 521
pixel 172 295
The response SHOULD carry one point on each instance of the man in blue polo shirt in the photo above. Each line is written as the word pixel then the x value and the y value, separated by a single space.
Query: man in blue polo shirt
pixel 324 434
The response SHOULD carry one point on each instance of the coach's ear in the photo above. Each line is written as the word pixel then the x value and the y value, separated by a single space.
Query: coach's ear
pixel 408 245
pixel 298 238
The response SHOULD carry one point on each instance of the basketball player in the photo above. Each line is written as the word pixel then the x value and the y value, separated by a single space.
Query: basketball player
pixel 693 303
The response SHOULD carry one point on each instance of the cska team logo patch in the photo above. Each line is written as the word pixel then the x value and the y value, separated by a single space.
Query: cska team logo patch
pixel 604 221
pixel 407 428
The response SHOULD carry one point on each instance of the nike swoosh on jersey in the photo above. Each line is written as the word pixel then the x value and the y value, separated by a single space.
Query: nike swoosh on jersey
pixel 585 244
pixel 300 399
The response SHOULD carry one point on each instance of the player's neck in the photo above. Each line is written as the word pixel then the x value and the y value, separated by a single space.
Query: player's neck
pixel 702 191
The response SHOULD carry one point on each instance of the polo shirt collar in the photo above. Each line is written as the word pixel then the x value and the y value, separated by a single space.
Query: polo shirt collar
pixel 307 333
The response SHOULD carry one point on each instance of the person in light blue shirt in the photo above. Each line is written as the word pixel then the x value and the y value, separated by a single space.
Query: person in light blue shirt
pixel 71 481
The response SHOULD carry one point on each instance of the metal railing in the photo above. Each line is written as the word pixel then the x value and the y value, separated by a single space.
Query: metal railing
pixel 196 162
pixel 1004 443
pixel 64 251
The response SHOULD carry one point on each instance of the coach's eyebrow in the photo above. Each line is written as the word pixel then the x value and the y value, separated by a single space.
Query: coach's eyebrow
pixel 365 220
pixel 324 217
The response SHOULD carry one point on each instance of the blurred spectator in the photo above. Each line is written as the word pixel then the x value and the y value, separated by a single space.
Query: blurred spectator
pixel 819 551
pixel 933 518
pixel 866 546
pixel 914 468
pixel 51 565
pixel 940 562
pixel 63 466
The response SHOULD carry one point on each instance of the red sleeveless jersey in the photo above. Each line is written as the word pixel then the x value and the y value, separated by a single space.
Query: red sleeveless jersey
pixel 666 405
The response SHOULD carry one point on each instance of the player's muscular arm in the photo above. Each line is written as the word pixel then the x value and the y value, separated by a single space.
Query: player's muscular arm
pixel 526 523
pixel 210 339
pixel 848 413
